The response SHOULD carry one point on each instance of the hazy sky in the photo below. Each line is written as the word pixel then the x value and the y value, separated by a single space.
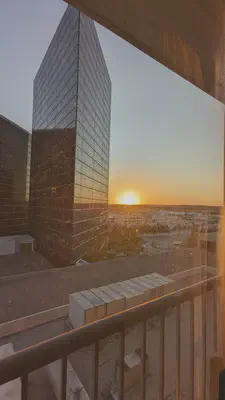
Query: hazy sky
pixel 166 135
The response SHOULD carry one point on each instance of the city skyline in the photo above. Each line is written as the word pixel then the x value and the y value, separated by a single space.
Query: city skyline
pixel 176 152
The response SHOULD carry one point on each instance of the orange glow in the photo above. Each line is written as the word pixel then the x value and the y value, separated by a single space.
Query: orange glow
pixel 128 198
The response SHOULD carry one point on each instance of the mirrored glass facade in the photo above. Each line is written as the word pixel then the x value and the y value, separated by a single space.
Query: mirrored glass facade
pixel 70 146
pixel 14 178
pixel 92 137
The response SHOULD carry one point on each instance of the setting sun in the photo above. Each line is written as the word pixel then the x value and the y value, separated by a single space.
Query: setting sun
pixel 129 198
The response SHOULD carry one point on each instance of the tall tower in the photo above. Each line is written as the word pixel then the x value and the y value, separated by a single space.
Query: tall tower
pixel 70 143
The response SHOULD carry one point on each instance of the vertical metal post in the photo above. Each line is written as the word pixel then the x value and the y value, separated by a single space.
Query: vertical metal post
pixel 178 352
pixel 63 377
pixel 162 357
pixel 204 338
pixel 24 385
pixel 96 369
pixel 221 385
pixel 215 330
pixel 192 349
pixel 121 364
pixel 143 362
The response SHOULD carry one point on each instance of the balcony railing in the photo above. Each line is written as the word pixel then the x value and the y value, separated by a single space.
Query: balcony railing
pixel 23 362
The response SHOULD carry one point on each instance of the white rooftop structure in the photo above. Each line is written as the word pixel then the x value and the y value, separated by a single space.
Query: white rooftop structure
pixel 15 244
pixel 91 305
pixel 81 262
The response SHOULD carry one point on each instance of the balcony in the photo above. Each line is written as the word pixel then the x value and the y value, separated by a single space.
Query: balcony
pixel 179 363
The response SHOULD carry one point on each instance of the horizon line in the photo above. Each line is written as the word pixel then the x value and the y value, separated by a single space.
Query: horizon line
pixel 164 205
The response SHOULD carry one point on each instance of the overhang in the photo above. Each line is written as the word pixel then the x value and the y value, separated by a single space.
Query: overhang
pixel 187 36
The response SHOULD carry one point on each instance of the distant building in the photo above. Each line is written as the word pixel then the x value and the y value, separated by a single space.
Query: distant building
pixel 171 219
pixel 14 178
pixel 111 221
pixel 127 219
pixel 133 220
pixel 70 146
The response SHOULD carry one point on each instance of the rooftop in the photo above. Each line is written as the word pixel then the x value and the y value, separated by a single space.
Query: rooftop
pixel 13 123
pixel 23 263
pixel 33 292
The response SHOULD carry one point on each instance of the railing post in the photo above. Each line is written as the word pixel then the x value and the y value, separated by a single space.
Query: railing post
pixel 204 339
pixel 162 357
pixel 121 364
pixel 96 369
pixel 143 362
pixel 63 377
pixel 222 385
pixel 216 378
pixel 178 352
pixel 192 348
pixel 24 386
pixel 215 316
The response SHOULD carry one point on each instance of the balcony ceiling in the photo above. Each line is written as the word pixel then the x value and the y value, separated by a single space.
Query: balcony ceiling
pixel 187 36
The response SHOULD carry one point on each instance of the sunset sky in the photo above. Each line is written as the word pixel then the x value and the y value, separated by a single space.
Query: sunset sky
pixel 166 135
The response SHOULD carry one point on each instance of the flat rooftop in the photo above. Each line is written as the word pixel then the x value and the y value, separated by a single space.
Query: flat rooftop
pixel 23 263
pixel 33 292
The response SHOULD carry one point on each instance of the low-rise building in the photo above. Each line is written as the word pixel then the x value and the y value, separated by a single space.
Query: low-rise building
pixel 127 219
pixel 171 219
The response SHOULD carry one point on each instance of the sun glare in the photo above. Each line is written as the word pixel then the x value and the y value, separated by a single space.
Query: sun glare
pixel 129 198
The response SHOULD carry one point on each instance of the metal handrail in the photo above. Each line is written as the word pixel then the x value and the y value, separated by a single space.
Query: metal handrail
pixel 32 358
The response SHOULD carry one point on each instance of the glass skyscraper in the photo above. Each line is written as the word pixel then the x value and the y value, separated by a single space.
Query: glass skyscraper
pixel 70 143
pixel 14 178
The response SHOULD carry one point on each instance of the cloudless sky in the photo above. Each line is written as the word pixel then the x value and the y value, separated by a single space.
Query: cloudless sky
pixel 166 135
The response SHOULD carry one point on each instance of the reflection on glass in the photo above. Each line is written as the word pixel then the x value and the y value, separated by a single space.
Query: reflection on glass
pixel 71 138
